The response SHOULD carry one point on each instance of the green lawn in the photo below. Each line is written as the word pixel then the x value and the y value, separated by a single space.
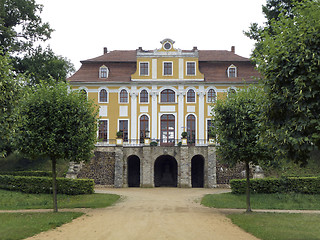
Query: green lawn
pixel 279 226
pixel 263 201
pixel 10 200
pixel 14 226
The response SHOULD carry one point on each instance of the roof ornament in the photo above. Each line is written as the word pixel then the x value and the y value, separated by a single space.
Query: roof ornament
pixel 167 44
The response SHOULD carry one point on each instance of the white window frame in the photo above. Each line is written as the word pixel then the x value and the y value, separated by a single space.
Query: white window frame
pixel 119 96
pixel 140 69
pixel 140 90
pixel 196 122
pixel 235 71
pixel 100 72
pixel 195 93
pixel 170 88
pixel 106 142
pixel 99 90
pixel 207 93
pixel 195 68
pixel 163 68
pixel 118 127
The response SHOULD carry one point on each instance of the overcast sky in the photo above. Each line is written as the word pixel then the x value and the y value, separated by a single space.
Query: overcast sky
pixel 83 28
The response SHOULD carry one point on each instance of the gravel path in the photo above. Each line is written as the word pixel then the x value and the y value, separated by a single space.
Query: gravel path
pixel 151 214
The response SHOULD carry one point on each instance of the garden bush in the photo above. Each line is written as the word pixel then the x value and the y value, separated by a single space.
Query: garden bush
pixel 28 173
pixel 306 185
pixel 44 185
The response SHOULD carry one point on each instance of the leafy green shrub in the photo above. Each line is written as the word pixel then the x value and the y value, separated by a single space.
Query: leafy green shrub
pixel 28 173
pixel 44 185
pixel 306 185
pixel 154 144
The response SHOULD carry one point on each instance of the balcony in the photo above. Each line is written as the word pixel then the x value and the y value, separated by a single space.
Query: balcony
pixel 155 142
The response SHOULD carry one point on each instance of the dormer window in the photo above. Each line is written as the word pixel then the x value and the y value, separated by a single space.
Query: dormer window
pixel 104 72
pixel 144 69
pixel 232 71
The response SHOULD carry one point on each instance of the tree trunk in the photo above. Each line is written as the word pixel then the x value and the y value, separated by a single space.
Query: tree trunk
pixel 248 188
pixel 54 185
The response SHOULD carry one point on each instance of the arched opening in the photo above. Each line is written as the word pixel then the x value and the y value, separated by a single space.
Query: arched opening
pixel 197 171
pixel 165 171
pixel 133 171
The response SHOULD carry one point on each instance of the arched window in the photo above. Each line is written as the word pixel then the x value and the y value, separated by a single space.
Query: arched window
pixel 191 129
pixel 103 72
pixel 211 96
pixel 144 96
pixel 167 96
pixel 144 127
pixel 123 96
pixel 191 96
pixel 103 96
pixel 232 71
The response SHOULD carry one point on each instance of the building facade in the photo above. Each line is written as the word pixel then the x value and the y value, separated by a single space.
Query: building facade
pixel 155 96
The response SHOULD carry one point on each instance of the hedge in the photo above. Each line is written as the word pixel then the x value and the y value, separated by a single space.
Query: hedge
pixel 306 185
pixel 44 185
pixel 29 173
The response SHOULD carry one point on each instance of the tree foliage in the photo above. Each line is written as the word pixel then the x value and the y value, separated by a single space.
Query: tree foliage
pixel 57 123
pixel 10 91
pixel 21 25
pixel 43 64
pixel 289 60
pixel 21 28
pixel 271 11
pixel 237 123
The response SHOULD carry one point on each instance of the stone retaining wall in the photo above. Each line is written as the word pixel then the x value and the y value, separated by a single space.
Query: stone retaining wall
pixel 100 169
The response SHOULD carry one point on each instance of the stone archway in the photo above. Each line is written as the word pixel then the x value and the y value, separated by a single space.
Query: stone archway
pixel 197 171
pixel 165 171
pixel 133 171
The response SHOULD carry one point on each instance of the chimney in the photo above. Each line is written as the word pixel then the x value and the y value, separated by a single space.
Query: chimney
pixel 194 49
pixel 233 49
pixel 105 50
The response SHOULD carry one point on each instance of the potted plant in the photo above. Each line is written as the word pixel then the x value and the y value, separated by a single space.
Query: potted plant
pixel 211 136
pixel 154 144
pixel 147 137
pixel 119 140
pixel 184 134
pixel 184 138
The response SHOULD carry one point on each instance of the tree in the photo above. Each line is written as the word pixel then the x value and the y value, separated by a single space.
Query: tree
pixel 289 60
pixel 237 123
pixel 57 123
pixel 21 27
pixel 271 11
pixel 10 89
pixel 44 65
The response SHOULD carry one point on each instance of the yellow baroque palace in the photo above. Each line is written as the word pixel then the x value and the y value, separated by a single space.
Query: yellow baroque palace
pixel 156 95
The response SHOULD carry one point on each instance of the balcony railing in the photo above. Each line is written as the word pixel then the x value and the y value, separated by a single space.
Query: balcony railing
pixel 154 142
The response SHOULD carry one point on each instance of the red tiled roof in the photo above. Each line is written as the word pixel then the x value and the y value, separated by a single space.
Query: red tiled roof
pixel 115 56
pixel 220 55
pixel 204 55
pixel 122 64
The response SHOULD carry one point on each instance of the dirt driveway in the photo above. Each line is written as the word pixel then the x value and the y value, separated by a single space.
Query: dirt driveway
pixel 151 214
